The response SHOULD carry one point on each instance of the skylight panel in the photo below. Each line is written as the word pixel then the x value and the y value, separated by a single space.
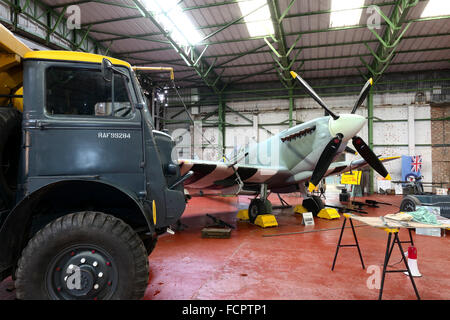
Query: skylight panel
pixel 341 16
pixel 259 23
pixel 436 8
pixel 174 20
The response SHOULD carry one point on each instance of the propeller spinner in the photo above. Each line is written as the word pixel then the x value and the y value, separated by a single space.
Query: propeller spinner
pixel 344 127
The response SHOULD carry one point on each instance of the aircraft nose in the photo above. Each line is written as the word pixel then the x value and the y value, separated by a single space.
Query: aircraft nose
pixel 347 124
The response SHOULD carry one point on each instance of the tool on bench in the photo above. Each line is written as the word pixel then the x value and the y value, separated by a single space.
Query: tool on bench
pixel 402 223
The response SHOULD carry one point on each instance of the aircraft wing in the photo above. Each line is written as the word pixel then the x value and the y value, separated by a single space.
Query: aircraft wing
pixel 338 168
pixel 218 175
pixel 210 175
pixel 345 166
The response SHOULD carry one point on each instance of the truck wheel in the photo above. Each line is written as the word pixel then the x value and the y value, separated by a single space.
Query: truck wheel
pixel 10 138
pixel 85 256
pixel 409 204
pixel 150 244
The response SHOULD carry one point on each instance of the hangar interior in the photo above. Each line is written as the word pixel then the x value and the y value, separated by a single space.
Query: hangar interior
pixel 231 61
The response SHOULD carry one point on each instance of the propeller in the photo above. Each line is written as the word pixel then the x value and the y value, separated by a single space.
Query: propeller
pixel 325 160
pixel 351 151
pixel 370 157
pixel 342 124
pixel 363 95
pixel 313 94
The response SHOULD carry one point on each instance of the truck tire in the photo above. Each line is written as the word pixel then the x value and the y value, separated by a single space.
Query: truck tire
pixel 150 245
pixel 83 256
pixel 409 203
pixel 10 139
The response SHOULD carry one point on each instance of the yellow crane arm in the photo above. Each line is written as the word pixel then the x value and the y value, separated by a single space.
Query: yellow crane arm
pixel 12 50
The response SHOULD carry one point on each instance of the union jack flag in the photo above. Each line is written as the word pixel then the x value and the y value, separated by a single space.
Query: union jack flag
pixel 416 163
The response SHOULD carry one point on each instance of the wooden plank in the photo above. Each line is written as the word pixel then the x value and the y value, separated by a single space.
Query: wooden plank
pixel 218 233
pixel 378 222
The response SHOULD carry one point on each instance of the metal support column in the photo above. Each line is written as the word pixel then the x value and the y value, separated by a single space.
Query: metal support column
pixel 391 38
pixel 370 134
pixel 222 125
pixel 291 107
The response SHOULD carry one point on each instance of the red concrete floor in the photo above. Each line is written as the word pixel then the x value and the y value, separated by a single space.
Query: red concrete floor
pixel 285 267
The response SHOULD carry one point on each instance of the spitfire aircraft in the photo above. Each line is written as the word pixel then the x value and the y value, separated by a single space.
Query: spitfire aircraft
pixel 287 161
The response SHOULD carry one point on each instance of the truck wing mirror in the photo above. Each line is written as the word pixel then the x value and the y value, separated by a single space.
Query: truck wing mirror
pixel 107 70
pixel 139 106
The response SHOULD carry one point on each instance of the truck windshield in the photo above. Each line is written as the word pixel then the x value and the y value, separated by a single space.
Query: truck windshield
pixel 84 92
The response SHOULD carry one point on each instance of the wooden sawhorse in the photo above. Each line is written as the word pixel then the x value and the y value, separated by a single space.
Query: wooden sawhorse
pixel 339 245
pixel 390 246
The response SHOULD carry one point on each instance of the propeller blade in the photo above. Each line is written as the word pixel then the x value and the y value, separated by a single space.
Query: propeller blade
pixel 324 161
pixel 350 150
pixel 313 94
pixel 363 95
pixel 370 157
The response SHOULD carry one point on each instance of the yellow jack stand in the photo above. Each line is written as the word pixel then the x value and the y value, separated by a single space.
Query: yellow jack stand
pixel 300 209
pixel 266 220
pixel 243 215
pixel 328 213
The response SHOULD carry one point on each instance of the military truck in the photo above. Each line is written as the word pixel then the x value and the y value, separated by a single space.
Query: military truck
pixel 86 183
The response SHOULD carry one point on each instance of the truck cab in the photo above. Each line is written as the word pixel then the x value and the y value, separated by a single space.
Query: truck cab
pixel 87 154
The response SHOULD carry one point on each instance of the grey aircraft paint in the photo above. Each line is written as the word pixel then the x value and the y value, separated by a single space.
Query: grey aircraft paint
pixel 284 162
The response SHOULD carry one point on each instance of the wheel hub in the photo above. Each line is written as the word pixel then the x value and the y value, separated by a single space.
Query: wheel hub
pixel 82 273
pixel 86 283
pixel 408 206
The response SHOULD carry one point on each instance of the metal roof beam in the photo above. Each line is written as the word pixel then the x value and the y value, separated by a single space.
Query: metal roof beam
pixel 303 60
pixel 340 85
pixel 223 64
pixel 224 3
pixel 220 27
pixel 93 23
pixel 325 30
pixel 391 38
pixel 242 77
pixel 124 37
pixel 353 67
pixel 189 55
pixel 257 50
pixel 106 2
pixel 282 53
pixel 210 5
pixel 288 34
pixel 231 23
pixel 54 20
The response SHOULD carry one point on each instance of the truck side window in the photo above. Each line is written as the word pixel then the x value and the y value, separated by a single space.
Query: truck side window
pixel 84 92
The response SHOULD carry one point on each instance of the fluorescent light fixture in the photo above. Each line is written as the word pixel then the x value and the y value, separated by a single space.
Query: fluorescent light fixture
pixel 341 16
pixel 259 23
pixel 436 8
pixel 169 14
